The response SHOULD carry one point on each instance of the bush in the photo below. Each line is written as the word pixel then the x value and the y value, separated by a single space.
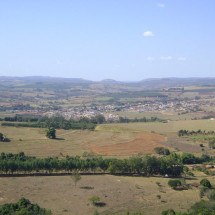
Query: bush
pixel 206 183
pixel 23 207
pixel 174 183
pixel 169 212
pixel 162 151
pixel 94 200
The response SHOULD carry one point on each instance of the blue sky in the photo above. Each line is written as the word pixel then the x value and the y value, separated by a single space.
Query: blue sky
pixel 98 39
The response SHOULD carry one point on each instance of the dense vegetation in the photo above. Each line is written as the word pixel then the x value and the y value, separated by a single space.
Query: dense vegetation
pixel 57 122
pixel 198 132
pixel 23 207
pixel 199 208
pixel 141 165
pixel 60 122
pixel 143 119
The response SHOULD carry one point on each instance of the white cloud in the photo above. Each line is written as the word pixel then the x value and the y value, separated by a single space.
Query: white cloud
pixel 166 57
pixel 148 34
pixel 149 58
pixel 181 58
pixel 160 5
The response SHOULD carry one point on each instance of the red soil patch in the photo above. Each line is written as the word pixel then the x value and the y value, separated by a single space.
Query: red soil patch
pixel 143 143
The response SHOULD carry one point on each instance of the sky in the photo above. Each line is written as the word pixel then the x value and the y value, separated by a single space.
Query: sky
pixel 126 40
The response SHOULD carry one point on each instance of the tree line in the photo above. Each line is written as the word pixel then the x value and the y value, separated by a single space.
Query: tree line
pixel 59 122
pixel 143 119
pixel 140 165
pixel 183 132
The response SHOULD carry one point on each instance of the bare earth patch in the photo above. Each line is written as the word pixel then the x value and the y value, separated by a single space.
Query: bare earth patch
pixel 143 143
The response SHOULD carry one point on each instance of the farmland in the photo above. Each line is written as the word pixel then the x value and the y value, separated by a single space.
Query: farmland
pixel 111 139
pixel 166 110
pixel 59 194
pixel 119 193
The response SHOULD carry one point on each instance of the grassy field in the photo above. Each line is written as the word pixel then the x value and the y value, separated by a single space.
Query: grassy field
pixel 108 140
pixel 163 128
pixel 120 194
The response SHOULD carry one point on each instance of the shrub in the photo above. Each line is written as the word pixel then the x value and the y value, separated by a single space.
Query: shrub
pixel 206 183
pixel 174 183
pixel 162 151
pixel 169 212
pixel 23 207
pixel 95 200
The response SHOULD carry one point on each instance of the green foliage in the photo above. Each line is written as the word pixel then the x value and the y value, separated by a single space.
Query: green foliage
pixel 174 183
pixel 162 151
pixel 57 122
pixel 143 119
pixel 191 133
pixel 206 183
pixel 169 212
pixel 3 138
pixel 94 200
pixel 51 133
pixel 199 208
pixel 141 165
pixel 23 207
pixel 203 208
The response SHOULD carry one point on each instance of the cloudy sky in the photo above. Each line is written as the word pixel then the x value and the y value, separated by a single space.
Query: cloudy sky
pixel 125 40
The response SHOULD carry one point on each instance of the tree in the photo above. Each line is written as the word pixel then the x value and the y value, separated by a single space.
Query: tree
pixel 23 207
pixel 76 177
pixel 51 133
pixel 206 183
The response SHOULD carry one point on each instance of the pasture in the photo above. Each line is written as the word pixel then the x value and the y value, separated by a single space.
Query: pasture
pixel 120 194
pixel 107 140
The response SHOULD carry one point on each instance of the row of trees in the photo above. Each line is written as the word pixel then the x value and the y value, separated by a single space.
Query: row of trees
pixel 198 132
pixel 141 165
pixel 55 122
pixel 61 122
pixel 143 119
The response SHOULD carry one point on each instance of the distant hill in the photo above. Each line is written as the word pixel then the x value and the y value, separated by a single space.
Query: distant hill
pixel 45 79
pixel 153 83
pixel 177 82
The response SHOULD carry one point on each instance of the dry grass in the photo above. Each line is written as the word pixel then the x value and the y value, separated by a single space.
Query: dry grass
pixel 111 139
pixel 119 193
